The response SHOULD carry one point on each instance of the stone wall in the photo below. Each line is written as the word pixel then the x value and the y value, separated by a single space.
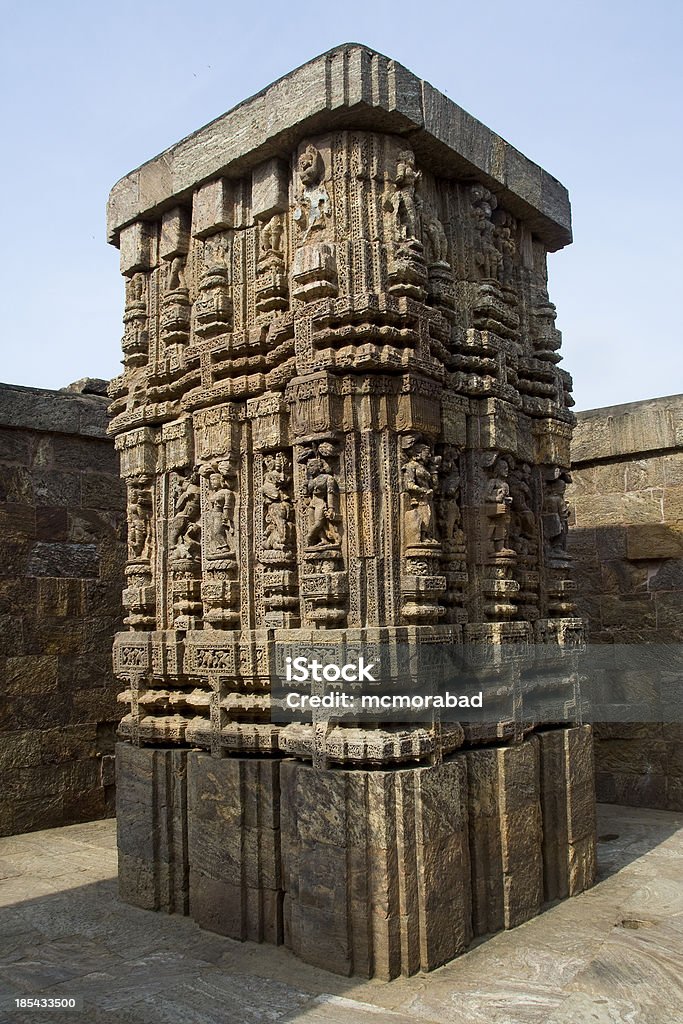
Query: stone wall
pixel 627 542
pixel 62 549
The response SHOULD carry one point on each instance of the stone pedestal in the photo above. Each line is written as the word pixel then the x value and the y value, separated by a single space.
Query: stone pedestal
pixel 376 867
pixel 151 825
pixel 234 846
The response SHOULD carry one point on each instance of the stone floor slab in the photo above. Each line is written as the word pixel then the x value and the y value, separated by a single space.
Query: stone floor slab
pixel 613 955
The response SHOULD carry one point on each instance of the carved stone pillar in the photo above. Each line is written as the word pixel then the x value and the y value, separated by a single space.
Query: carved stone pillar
pixel 343 427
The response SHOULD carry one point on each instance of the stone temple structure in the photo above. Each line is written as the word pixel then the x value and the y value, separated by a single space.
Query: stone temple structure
pixel 342 419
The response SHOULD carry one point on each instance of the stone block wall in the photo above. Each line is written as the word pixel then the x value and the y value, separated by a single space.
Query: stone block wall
pixel 627 543
pixel 62 550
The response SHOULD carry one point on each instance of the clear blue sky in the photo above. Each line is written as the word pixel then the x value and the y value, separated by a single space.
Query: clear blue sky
pixel 590 90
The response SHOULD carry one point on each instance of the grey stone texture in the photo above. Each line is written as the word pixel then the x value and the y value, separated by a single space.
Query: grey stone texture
pixel 627 544
pixel 341 421
pixel 62 549
pixel 610 956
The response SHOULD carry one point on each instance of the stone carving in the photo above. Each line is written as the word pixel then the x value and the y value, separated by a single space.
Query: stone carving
pixel 437 242
pixel 487 254
pixel 498 503
pixel 135 342
pixel 221 498
pixel 556 515
pixel 175 304
pixel 139 518
pixel 313 207
pixel 449 515
pixel 279 510
pixel 322 489
pixel 272 289
pixel 343 424
pixel 184 530
pixel 401 205
pixel 402 201
pixel 419 481
pixel 524 527
pixel 213 306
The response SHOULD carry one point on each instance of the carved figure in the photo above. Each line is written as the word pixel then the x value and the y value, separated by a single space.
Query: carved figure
pixel 279 514
pixel 498 504
pixel 437 243
pixel 448 505
pixel 175 278
pixel 139 519
pixel 487 256
pixel 503 226
pixel 556 512
pixel 271 235
pixel 419 481
pixel 314 204
pixel 401 202
pixel 220 515
pixel 523 527
pixel 135 291
pixel 184 530
pixel 323 497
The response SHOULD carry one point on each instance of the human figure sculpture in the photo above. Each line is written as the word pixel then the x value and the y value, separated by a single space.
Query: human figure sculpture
pixel 436 236
pixel 220 518
pixel 449 517
pixel 271 235
pixel 278 533
pixel 556 513
pixel 401 202
pixel 488 257
pixel 499 502
pixel 175 280
pixel 314 205
pixel 323 495
pixel 419 481
pixel 139 521
pixel 184 531
pixel 523 519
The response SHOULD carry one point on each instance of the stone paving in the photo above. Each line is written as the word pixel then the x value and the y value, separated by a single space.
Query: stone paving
pixel 613 954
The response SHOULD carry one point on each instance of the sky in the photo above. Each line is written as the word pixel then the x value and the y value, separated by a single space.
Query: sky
pixel 589 90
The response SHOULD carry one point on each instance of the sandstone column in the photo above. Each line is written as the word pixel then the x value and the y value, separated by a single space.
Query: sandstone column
pixel 342 420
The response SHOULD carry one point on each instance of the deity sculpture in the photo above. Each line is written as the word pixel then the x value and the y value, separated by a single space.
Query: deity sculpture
pixel 523 526
pixel 220 518
pixel 498 504
pixel 184 530
pixel 271 235
pixel 419 482
pixel 314 203
pixel 323 497
pixel 402 201
pixel 139 519
pixel 279 513
pixel 448 505
pixel 435 236
pixel 556 513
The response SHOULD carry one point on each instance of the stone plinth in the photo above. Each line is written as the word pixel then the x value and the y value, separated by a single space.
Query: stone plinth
pixel 342 418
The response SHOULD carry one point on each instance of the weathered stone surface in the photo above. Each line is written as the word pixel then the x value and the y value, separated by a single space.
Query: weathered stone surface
pixel 385 891
pixel 234 847
pixel 352 87
pixel 628 550
pixel 341 420
pixel 57 707
pixel 151 821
